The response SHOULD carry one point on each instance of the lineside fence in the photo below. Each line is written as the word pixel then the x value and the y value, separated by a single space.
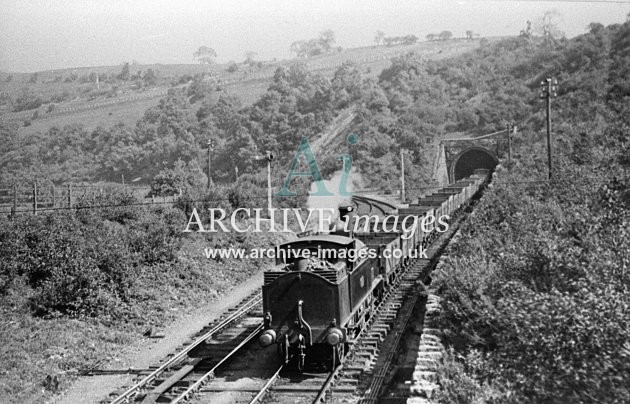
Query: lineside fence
pixel 40 198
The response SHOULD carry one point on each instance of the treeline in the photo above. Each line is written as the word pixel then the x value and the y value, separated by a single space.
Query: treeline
pixel 400 40
pixel 411 104
pixel 298 103
pixel 444 36
pixel 324 44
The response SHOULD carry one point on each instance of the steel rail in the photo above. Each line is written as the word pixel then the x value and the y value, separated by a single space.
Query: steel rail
pixel 266 387
pixel 321 396
pixel 210 373
pixel 378 200
pixel 374 203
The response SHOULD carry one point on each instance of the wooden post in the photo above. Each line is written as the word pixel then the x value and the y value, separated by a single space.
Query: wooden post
pixel 548 90
pixel 69 195
pixel 210 147
pixel 269 157
pixel 35 197
pixel 402 176
pixel 549 127
pixel 269 183
pixel 509 141
pixel 53 195
pixel 14 207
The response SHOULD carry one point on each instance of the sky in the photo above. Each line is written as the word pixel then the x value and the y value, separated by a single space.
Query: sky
pixel 40 35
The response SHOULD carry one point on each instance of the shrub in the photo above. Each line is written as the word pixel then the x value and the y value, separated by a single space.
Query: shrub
pixel 181 179
pixel 72 267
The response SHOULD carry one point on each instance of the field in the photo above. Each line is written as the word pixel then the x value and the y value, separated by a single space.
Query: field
pixel 125 112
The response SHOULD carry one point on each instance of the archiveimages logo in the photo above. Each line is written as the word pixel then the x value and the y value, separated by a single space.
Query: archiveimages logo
pixel 320 220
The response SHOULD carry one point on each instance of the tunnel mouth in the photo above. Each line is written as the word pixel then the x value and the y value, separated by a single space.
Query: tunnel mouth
pixel 471 160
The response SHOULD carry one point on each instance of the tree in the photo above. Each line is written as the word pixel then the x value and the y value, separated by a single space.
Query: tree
pixel 380 35
pixel 548 25
pixel 124 73
pixel 299 48
pixel 527 32
pixel 250 57
pixel 397 40
pixel 314 47
pixel 430 37
pixel 150 78
pixel 5 100
pixel 27 100
pixel 347 84
pixel 306 49
pixel 327 40
pixel 205 55
pixel 180 179
pixel 445 35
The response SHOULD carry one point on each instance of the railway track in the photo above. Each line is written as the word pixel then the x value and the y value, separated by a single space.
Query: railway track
pixel 222 365
pixel 180 375
pixel 365 205
pixel 356 375
pixel 363 374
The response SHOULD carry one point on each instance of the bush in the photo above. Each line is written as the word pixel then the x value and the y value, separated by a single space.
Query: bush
pixel 232 68
pixel 72 268
pixel 156 236
pixel 86 262
pixel 181 179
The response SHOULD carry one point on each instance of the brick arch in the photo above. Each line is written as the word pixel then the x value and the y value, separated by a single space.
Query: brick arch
pixel 470 159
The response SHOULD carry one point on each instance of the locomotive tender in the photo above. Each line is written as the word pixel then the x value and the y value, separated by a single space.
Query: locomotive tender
pixel 315 304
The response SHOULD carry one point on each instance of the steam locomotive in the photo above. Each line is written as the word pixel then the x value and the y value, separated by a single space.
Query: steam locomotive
pixel 325 287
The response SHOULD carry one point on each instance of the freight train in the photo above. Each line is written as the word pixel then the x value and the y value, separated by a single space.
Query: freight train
pixel 316 303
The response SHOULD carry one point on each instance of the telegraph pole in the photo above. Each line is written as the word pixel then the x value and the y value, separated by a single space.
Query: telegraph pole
pixel 210 149
pixel 509 144
pixel 269 158
pixel 549 88
pixel 402 176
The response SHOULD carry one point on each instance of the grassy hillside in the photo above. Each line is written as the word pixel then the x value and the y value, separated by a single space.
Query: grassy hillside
pixel 247 83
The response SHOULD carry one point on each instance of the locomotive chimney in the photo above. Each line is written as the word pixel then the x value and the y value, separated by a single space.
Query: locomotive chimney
pixel 344 216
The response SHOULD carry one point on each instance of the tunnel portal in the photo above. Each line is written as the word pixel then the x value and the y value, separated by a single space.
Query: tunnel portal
pixel 471 159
